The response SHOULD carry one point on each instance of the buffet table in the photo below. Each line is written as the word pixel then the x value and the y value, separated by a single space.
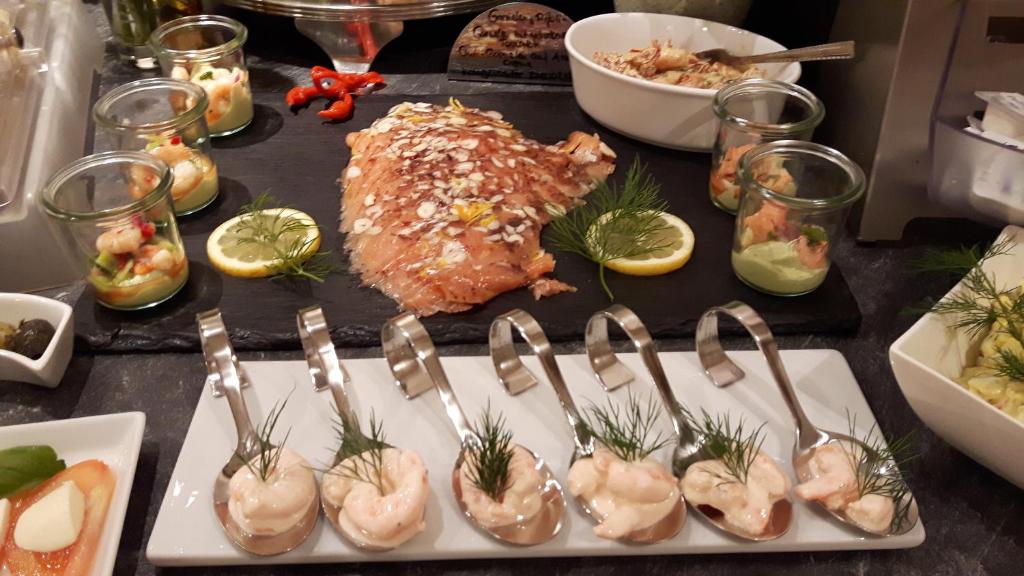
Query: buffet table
pixel 973 519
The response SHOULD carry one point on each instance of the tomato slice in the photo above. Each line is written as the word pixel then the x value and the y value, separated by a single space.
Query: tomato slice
pixel 96 481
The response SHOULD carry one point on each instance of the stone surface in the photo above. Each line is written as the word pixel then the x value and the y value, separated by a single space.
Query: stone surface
pixel 974 519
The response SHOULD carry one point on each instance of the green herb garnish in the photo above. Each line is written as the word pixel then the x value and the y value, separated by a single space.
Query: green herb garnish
pixel 980 303
pixel 877 468
pixel 626 432
pixel 267 455
pixel 614 223
pixel 361 456
pixel 273 230
pixel 25 467
pixel 208 75
pixel 815 234
pixel 736 446
pixel 489 461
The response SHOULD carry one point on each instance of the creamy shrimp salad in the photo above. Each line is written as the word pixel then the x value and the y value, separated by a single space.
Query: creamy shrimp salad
pixel 275 505
pixel 666 64
pixel 195 175
pixel 834 483
pixel 629 496
pixel 136 265
pixel 746 507
pixel 230 108
pixel 520 502
pixel 374 517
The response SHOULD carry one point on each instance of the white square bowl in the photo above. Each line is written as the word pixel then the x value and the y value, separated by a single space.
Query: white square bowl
pixel 113 438
pixel 49 368
pixel 930 354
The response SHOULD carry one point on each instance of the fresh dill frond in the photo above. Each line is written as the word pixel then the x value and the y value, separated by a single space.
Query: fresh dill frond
pixel 285 236
pixel 361 456
pixel 980 304
pixel 614 223
pixel 488 462
pixel 266 454
pixel 626 432
pixel 877 465
pixel 735 445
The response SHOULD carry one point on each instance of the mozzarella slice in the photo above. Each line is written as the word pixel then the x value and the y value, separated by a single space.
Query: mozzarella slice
pixel 52 523
pixel 5 518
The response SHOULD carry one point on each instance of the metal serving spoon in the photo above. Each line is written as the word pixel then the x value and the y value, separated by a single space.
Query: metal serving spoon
pixel 722 371
pixel 416 367
pixel 328 373
pixel 517 378
pixel 226 378
pixel 833 51
pixel 689 450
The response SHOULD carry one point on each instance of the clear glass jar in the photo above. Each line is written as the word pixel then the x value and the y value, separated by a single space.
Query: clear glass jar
pixel 207 50
pixel 113 212
pixel 165 118
pixel 796 197
pixel 752 112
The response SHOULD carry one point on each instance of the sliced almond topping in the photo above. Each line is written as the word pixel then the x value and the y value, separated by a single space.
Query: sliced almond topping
pixel 354 172
pixel 361 225
pixel 426 210
pixel 476 177
pixel 369 200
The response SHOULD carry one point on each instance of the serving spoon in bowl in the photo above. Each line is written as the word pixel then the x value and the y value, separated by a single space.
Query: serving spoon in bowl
pixel 722 371
pixel 226 378
pixel 834 51
pixel 415 365
pixel 689 449
pixel 328 373
pixel 516 378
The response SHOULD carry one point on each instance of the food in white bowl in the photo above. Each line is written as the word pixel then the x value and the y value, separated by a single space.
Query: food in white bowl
pixel 44 367
pixel 665 115
pixel 930 358
pixel 662 62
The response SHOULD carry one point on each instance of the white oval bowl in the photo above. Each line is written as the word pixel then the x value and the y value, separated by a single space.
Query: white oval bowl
pixel 661 114
pixel 927 357
pixel 49 368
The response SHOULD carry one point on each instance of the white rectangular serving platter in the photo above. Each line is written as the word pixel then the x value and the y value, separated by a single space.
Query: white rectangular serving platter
pixel 187 533
pixel 113 438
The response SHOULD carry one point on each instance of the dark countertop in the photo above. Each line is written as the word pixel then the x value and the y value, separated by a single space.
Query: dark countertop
pixel 974 520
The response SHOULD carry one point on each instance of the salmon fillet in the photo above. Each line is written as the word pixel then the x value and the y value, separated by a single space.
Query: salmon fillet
pixel 442 206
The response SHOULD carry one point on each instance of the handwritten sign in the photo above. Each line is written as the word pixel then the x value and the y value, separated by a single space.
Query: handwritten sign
pixel 520 42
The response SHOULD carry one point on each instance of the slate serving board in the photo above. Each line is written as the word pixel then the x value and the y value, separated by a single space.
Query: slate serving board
pixel 298 159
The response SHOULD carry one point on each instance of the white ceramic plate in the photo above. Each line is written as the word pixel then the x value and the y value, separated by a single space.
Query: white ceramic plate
pixel 113 438
pixel 187 534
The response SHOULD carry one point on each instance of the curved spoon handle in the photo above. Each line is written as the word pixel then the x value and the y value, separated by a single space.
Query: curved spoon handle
pixel 325 369
pixel 224 374
pixel 834 51
pixel 722 371
pixel 414 363
pixel 516 377
pixel 612 373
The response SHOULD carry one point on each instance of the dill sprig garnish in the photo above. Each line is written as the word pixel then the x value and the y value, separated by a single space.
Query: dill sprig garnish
pixel 980 304
pixel 361 456
pixel 877 465
pixel 626 432
pixel 267 455
pixel 284 235
pixel 614 223
pixel 489 461
pixel 735 445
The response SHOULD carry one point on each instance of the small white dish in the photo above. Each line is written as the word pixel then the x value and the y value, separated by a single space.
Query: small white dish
pixel 930 354
pixel 186 532
pixel 49 368
pixel 113 438
pixel 661 114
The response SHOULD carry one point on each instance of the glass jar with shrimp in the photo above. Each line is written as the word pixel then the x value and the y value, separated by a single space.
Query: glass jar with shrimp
pixel 113 212
pixel 796 197
pixel 165 118
pixel 207 51
pixel 751 112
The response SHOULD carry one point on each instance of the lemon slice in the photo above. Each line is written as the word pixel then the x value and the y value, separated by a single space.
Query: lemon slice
pixel 231 254
pixel 679 241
